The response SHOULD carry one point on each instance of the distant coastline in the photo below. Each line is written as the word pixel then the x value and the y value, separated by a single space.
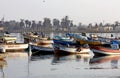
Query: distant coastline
pixel 64 25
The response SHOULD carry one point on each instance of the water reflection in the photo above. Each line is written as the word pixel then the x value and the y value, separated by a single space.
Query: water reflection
pixel 18 64
pixel 3 64
pixel 17 54
pixel 41 57
pixel 52 66
pixel 105 62
pixel 3 55
pixel 75 57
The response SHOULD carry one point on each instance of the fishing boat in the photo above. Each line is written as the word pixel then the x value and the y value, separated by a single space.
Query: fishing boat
pixel 8 43
pixel 72 50
pixel 42 49
pixel 8 38
pixel 13 47
pixel 39 43
pixel 44 41
pixel 42 45
pixel 105 50
pixel 67 45
pixel 64 40
pixel 31 35
pixel 92 40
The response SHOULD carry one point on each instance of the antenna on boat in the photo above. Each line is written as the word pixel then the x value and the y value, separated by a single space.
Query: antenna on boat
pixel 29 51
pixel 29 47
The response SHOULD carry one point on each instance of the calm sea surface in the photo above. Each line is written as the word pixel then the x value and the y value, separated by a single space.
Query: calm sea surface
pixel 59 66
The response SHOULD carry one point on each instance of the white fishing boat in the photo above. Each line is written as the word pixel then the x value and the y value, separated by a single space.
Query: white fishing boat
pixel 72 50
pixel 8 38
pixel 13 47
pixel 8 43
pixel 31 35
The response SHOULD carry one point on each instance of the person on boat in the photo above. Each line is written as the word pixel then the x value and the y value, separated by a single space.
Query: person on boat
pixel 89 38
pixel 84 46
pixel 111 35
pixel 71 38
pixel 79 49
pixel 43 35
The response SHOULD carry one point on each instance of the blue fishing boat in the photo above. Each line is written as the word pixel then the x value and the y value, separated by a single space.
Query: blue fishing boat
pixel 64 40
pixel 42 46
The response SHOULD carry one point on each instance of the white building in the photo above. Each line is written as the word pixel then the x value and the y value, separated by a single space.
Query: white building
pixel 106 28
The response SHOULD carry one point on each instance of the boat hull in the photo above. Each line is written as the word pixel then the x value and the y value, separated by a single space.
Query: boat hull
pixel 89 42
pixel 64 42
pixel 71 50
pixel 44 42
pixel 105 51
pixel 37 49
pixel 13 47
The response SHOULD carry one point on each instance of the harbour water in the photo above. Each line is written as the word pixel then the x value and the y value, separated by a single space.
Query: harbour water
pixel 59 66
pixel 53 66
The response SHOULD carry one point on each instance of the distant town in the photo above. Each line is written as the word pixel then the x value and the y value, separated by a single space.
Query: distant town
pixel 61 26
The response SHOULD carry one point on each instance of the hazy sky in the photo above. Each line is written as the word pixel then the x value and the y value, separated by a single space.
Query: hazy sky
pixel 84 11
